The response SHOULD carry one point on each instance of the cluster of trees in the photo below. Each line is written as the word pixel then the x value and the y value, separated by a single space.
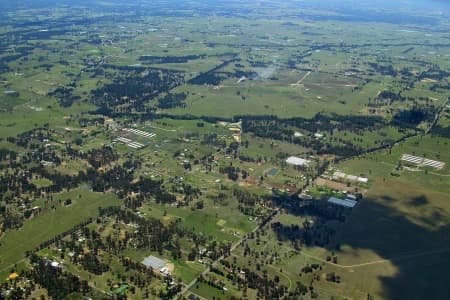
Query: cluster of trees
pixel 19 52
pixel 118 178
pixel 212 139
pixel 441 131
pixel 212 281
pixel 59 284
pixel 8 155
pixel 58 238
pixel 320 122
pixel 258 277
pixel 92 264
pixel 151 59
pixel 283 129
pixel 93 252
pixel 318 235
pixel 143 275
pixel 83 122
pixel 249 203
pixel 383 69
pixel 32 139
pixel 268 288
pixel 65 95
pixel 390 96
pixel 152 234
pixel 141 278
pixel 21 171
pixel 231 171
pixel 211 77
pixel 98 157
pixel 414 116
pixel 133 88
pixel 172 100
pixel 435 73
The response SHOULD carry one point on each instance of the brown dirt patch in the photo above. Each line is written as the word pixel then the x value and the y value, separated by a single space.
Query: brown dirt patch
pixel 170 267
pixel 429 80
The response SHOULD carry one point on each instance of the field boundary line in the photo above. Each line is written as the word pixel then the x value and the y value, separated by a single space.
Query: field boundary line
pixel 441 175
pixel 386 260
pixel 301 80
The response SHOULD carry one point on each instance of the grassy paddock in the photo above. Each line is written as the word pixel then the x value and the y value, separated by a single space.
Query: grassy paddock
pixel 14 244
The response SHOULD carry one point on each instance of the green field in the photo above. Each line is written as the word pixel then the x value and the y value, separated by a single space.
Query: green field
pixel 180 117
pixel 52 222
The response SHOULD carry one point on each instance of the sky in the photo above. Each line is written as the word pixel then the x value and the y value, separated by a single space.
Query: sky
pixel 419 5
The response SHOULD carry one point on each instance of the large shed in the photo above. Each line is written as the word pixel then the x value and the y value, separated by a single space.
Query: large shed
pixel 153 262
pixel 347 202
pixel 297 161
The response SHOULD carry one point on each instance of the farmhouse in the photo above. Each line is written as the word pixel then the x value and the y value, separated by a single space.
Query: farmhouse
pixel 297 161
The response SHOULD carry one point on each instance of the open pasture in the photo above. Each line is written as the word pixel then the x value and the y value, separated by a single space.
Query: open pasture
pixel 52 222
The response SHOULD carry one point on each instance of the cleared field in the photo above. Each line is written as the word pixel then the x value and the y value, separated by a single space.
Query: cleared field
pixel 264 97
pixel 154 79
pixel 209 221
pixel 385 163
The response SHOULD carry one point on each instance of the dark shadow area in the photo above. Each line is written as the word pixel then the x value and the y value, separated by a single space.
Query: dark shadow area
pixel 419 248
pixel 419 201
pixel 420 254
pixel 387 198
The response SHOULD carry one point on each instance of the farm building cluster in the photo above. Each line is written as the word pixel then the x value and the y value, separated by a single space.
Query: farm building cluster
pixel 134 144
pixel 140 132
pixel 236 129
pixel 421 161
pixel 129 143
pixel 343 176
pixel 156 264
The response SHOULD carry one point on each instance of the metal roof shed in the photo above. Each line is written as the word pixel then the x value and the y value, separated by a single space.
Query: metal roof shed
pixel 342 202
pixel 153 262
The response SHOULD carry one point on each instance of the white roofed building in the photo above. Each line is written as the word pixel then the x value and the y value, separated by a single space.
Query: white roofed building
pixel 297 161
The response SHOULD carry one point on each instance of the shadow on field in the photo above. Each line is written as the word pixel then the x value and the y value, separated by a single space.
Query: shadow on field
pixel 398 224
pixel 418 247
pixel 419 201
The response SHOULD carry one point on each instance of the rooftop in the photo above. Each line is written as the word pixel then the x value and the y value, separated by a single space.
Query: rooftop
pixel 342 202
pixel 297 161
pixel 154 262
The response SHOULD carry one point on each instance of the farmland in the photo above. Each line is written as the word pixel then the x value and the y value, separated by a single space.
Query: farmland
pixel 279 150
